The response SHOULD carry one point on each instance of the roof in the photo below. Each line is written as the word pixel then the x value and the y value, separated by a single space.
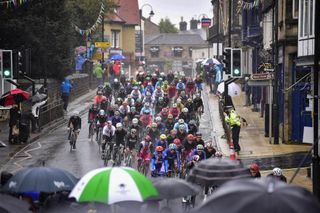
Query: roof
pixel 176 39
pixel 113 17
pixel 202 32
pixel 129 11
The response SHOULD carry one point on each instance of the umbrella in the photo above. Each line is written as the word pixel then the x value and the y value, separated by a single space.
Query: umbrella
pixel 113 184
pixel 171 188
pixel 210 61
pixel 117 57
pixel 263 195
pixel 214 172
pixel 233 89
pixel 14 96
pixel 40 179
pixel 12 204
pixel 38 97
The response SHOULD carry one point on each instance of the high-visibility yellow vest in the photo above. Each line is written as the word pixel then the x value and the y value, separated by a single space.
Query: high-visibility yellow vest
pixel 233 119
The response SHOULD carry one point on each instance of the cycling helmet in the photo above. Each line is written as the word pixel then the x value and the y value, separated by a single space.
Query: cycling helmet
pixel 158 119
pixel 146 111
pixel 277 172
pixel 159 149
pixel 177 142
pixel 254 167
pixel 119 125
pixel 182 127
pixel 148 93
pixel 178 100
pixel 197 95
pixel 160 79
pixel 181 121
pixel 147 138
pixel 185 110
pixel 117 113
pixel 189 100
pixel 218 154
pixel 160 99
pixel 192 122
pixel 76 113
pixel 139 100
pixel 170 116
pixel 172 146
pixel 154 125
pixel 101 112
pixel 115 80
pixel 109 122
pixel 147 104
pixel 196 157
pixel 190 137
pixel 135 87
pixel 199 147
pixel 133 131
pixel 163 137
pixel 174 105
pixel 99 92
pixel 173 131
pixel 132 109
pixel 135 121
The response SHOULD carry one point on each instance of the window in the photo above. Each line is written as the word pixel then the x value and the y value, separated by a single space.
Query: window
pixel 295 9
pixel 306 18
pixel 177 52
pixel 115 36
pixel 154 51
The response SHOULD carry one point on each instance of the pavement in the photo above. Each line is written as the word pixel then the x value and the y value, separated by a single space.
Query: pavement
pixel 80 104
pixel 254 145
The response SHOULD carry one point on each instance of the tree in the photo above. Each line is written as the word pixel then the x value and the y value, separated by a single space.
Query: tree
pixel 166 26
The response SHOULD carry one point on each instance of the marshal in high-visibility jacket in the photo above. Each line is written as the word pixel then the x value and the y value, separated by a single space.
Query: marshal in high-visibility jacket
pixel 234 120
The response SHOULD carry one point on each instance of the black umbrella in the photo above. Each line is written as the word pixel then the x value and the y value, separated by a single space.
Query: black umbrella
pixel 214 172
pixel 10 204
pixel 265 195
pixel 171 188
pixel 40 179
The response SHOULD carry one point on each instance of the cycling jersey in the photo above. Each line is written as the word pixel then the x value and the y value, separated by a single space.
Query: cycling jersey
pixel 172 156
pixel 75 121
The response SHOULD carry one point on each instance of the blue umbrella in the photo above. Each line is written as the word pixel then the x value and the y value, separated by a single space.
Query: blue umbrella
pixel 40 179
pixel 117 57
pixel 210 61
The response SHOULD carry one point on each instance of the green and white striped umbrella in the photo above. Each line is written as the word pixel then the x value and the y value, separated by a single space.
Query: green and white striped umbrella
pixel 112 185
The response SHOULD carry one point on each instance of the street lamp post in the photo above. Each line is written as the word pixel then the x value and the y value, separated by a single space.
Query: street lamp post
pixel 141 37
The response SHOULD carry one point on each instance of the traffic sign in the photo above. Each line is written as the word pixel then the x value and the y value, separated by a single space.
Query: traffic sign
pixel 102 44
pixel 262 76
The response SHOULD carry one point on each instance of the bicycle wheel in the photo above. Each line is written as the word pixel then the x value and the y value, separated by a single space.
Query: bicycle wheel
pixel 91 132
pixel 99 139
pixel 72 140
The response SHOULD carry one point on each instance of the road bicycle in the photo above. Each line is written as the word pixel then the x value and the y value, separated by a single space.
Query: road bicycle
pixel 91 131
pixel 128 160
pixel 99 141
pixel 143 167
pixel 118 154
pixel 72 138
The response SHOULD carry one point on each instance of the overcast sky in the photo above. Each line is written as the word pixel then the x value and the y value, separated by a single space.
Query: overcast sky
pixel 174 9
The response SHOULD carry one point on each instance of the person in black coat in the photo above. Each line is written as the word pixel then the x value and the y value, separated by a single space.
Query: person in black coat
pixel 13 121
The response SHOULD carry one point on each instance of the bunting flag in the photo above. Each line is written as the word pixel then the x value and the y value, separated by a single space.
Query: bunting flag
pixel 87 32
pixel 13 3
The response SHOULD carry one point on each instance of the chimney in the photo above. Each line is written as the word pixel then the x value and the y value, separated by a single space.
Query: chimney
pixel 193 24
pixel 182 25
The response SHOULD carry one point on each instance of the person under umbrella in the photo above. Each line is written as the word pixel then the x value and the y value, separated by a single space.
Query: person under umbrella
pixel 264 195
pixel 277 174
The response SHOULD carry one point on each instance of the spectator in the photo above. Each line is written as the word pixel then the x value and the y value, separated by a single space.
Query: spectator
pixel 65 88
pixel 24 126
pixel 98 72
pixel 277 174
pixel 234 121
pixel 13 123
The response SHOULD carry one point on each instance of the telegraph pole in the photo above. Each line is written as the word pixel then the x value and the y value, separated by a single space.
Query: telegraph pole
pixel 315 157
pixel 229 25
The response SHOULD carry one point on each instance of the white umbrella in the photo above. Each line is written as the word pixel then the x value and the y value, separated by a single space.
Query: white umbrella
pixel 210 61
pixel 233 89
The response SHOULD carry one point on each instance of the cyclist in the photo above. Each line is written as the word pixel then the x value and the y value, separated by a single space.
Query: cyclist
pixel 179 123
pixel 172 155
pixel 190 106
pixel 74 124
pixel 164 113
pixel 190 87
pixel 169 123
pixel 180 86
pixel 107 90
pixel 185 115
pixel 209 150
pixel 99 98
pixel 132 141
pixel 159 165
pixel 157 94
pixel 124 109
pixel 199 83
pixel 146 107
pixel 182 133
pixel 198 104
pixel 120 135
pixel 138 104
pixel 162 141
pixel 130 100
pixel 175 111
pixel 159 105
pixel 154 133
pixel 146 118
pixel 116 118
pixel 100 122
pixel 198 139
pixel 108 133
pixel 161 127
pixel 144 152
pixel 199 150
pixel 93 111
pixel 172 91
pixel 149 88
pixel 255 171
pixel 172 136
pixel 188 145
pixel 159 83
pixel 135 94
pixel 193 129
pixel 133 113
pixel 277 174
pixel 116 85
